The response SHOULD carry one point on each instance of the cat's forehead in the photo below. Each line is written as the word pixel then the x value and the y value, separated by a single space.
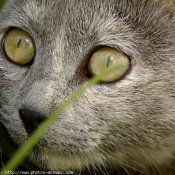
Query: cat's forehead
pixel 121 24
pixel 44 15
pixel 42 12
pixel 89 21
pixel 47 18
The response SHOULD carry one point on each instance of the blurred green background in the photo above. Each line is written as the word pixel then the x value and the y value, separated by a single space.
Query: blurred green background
pixel 2 2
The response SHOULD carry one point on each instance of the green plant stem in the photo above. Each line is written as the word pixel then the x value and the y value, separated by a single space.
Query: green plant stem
pixel 26 148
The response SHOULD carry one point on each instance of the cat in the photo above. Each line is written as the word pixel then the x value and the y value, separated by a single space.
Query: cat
pixel 122 125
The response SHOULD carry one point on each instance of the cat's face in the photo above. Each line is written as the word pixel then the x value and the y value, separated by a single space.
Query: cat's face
pixel 118 122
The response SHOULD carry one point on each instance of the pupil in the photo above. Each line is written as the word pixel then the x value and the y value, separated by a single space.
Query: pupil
pixel 108 61
pixel 19 42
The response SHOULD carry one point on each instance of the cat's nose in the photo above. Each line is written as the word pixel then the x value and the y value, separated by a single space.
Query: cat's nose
pixel 31 119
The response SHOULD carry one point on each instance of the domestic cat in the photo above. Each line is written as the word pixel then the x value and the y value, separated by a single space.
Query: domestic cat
pixel 122 125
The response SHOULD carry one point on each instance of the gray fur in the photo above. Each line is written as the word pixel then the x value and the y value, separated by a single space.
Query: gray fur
pixel 125 126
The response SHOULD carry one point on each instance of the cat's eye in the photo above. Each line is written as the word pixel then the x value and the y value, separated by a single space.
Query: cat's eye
pixel 108 58
pixel 19 46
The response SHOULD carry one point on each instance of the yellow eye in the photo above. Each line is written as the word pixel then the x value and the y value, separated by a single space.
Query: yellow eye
pixel 19 46
pixel 107 58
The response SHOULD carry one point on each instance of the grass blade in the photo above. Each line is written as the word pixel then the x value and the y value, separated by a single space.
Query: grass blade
pixel 25 148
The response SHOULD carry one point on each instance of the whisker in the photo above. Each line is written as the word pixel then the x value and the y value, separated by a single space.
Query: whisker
pixel 1 160
pixel 4 139
pixel 130 167
pixel 133 161
pixel 107 173
pixel 119 162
